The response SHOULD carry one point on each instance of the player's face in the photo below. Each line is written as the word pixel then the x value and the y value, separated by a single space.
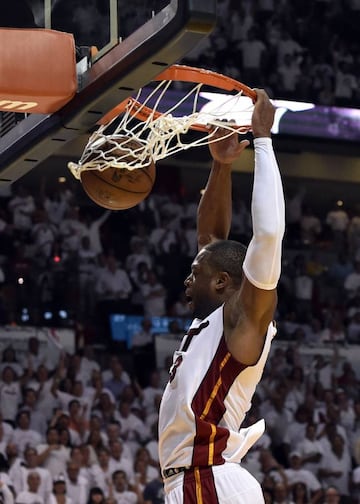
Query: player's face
pixel 200 287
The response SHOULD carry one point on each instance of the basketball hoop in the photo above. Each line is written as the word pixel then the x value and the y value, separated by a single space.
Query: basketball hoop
pixel 160 129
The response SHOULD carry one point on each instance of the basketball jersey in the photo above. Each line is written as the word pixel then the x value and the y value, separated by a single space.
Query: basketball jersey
pixel 206 399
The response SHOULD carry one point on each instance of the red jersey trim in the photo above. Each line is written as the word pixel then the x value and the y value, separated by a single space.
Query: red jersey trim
pixel 199 486
pixel 208 406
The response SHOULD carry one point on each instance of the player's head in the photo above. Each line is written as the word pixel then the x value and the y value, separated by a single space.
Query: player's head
pixel 216 273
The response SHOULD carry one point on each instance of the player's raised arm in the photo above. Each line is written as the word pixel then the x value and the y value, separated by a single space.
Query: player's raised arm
pixel 250 310
pixel 214 210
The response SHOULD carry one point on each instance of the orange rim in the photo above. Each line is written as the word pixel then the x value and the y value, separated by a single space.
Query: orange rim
pixel 181 73
pixel 199 75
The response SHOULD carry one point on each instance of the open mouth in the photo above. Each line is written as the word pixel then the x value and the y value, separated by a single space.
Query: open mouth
pixel 189 301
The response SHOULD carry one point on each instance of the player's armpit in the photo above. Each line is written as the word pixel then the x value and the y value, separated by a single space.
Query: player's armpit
pixel 247 316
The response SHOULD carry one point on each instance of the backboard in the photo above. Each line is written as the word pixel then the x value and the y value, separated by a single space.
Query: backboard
pixel 121 46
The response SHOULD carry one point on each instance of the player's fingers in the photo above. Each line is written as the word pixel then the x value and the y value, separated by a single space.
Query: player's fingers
pixel 261 93
pixel 242 145
pixel 223 132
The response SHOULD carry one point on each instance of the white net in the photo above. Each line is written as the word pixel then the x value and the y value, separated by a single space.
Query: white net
pixel 149 129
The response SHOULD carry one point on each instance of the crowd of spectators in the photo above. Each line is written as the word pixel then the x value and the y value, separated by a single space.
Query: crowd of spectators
pixel 74 431
pixel 304 51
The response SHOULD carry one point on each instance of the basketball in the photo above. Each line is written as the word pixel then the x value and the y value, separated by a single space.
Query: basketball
pixel 119 188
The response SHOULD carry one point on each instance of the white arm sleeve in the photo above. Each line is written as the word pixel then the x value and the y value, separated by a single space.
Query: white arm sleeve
pixel 262 264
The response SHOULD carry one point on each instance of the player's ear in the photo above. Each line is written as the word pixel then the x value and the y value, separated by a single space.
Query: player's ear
pixel 222 280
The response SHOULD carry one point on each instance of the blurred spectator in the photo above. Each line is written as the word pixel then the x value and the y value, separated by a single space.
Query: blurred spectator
pixel 92 229
pixel 113 289
pixel 114 364
pixel 355 482
pixel 120 489
pixel 140 234
pixel 337 219
pixel 22 469
pixel 133 430
pixel 58 495
pixel 352 281
pixel 77 487
pixel 281 493
pixel 56 204
pixel 145 336
pixel 313 331
pixel 96 496
pixel 52 455
pixel 278 419
pixel 241 223
pixel 6 492
pixel 87 267
pixel 137 256
pixel 339 269
pixel 162 236
pixel 36 355
pixel 296 391
pixel 289 72
pixel 300 493
pixel 71 230
pixel 297 474
pixel 345 85
pixel 138 277
pixel 310 226
pixel 154 491
pixel 9 359
pixel 10 395
pixel 288 46
pixel 326 95
pixel 42 383
pixel 150 392
pixel 303 290
pixel 22 207
pixel 32 495
pixel 101 472
pixel 335 333
pixel 332 495
pixel 119 461
pixel 43 234
pixel 154 294
pixel 144 471
pixel 353 329
pixel 88 365
pixel 310 449
pixel 324 370
pixel 294 204
pixel 180 308
pixel 296 430
pixel 336 466
pixel 83 456
pixel 117 380
pixel 104 408
pixel 253 52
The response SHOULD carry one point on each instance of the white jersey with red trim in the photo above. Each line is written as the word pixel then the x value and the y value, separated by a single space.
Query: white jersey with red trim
pixel 206 399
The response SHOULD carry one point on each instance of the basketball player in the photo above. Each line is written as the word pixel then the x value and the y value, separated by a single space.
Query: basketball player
pixel 232 294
